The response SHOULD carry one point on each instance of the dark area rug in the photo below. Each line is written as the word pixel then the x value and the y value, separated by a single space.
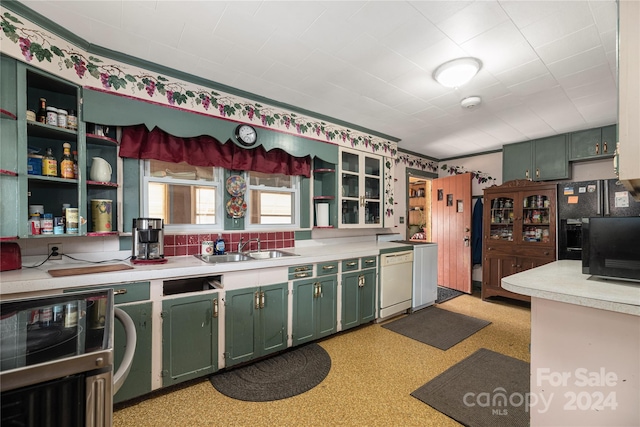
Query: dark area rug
pixel 485 389
pixel 445 294
pixel 437 327
pixel 278 377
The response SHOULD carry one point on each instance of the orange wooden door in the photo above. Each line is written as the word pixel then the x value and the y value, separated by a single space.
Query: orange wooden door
pixel 451 230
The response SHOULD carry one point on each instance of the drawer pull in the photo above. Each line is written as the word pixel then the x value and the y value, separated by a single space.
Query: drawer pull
pixel 370 261
pixel 328 267
pixel 298 275
pixel 119 291
pixel 302 268
pixel 352 264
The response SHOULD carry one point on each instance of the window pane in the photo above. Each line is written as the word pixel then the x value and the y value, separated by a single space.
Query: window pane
pixel 182 204
pixel 205 205
pixel 270 207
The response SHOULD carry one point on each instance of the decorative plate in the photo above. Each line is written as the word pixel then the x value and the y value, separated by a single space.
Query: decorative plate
pixel 236 207
pixel 236 185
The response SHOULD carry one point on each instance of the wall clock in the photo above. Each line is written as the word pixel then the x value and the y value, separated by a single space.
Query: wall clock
pixel 246 135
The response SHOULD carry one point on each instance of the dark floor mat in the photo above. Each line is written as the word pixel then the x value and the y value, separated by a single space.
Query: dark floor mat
pixel 485 389
pixel 283 375
pixel 445 294
pixel 437 327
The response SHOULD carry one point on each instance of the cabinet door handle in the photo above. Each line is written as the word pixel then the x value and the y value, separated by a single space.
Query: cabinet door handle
pixel 604 147
pixel 597 148
pixel 215 307
pixel 526 174
pixel 361 281
pixel 328 267
pixel 537 172
pixel 256 297
pixel 119 291
pixel 261 300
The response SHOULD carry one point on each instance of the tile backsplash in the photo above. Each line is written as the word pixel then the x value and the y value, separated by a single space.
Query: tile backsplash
pixel 190 244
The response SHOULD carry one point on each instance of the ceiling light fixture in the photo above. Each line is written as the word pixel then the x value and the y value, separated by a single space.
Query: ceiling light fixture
pixel 457 72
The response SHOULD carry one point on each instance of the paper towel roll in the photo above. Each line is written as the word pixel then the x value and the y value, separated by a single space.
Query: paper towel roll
pixel 322 214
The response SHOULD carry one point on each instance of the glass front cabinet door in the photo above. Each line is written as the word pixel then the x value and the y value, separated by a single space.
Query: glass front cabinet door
pixel 360 190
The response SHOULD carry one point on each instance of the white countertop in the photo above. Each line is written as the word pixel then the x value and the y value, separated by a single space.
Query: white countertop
pixel 563 281
pixel 38 279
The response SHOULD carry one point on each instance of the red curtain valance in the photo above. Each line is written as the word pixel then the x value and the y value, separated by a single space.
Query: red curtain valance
pixel 140 143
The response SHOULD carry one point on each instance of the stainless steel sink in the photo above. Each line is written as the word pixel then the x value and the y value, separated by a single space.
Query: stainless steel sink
pixel 228 257
pixel 269 254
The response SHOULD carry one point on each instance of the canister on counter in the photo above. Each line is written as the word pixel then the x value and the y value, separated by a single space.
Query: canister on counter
pixel 207 248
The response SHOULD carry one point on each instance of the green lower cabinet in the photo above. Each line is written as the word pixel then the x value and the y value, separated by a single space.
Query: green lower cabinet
pixel 189 338
pixel 255 322
pixel 138 381
pixel 358 298
pixel 314 308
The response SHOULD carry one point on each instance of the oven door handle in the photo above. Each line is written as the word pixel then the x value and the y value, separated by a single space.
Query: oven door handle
pixel 130 332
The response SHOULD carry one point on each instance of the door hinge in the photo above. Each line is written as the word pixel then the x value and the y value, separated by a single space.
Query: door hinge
pixel 164 373
pixel 163 314
pixel 225 355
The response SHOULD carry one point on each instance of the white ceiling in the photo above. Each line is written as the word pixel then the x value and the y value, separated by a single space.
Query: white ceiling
pixel 549 67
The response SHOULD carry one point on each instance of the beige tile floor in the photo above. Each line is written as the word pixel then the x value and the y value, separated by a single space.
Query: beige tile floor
pixel 372 374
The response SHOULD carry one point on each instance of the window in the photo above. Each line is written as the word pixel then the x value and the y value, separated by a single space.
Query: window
pixel 182 195
pixel 272 200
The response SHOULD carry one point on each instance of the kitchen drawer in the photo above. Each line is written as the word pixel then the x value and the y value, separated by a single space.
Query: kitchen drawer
pixel 352 264
pixel 325 268
pixel 300 271
pixel 368 262
pixel 542 252
pixel 123 293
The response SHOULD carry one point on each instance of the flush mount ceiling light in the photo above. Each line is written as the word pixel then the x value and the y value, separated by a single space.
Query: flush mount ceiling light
pixel 457 72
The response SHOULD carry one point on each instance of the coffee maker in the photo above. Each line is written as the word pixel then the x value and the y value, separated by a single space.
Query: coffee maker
pixel 148 240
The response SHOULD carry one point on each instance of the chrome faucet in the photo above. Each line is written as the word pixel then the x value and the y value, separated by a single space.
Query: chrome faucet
pixel 241 245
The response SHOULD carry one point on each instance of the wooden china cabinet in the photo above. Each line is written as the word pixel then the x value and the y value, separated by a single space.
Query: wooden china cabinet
pixel 519 232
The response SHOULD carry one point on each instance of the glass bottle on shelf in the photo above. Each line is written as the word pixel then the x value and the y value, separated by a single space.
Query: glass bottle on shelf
pixel 66 162
pixel 42 112
pixel 75 165
pixel 49 164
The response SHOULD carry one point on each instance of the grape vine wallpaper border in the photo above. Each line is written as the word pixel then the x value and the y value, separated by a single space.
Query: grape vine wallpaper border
pixel 37 46
pixel 42 49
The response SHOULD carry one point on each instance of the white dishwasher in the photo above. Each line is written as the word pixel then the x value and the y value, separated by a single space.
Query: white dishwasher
pixel 396 283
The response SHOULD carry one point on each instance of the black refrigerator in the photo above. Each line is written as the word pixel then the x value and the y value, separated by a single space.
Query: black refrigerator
pixel 578 201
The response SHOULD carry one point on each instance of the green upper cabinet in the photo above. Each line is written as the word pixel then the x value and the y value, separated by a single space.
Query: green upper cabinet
pixel 593 143
pixel 189 323
pixel 10 213
pixel 516 161
pixel 543 159
pixel 8 88
pixel 550 158
pixel 255 322
pixel 314 308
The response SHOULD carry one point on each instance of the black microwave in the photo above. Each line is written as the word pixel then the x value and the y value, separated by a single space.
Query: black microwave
pixel 611 247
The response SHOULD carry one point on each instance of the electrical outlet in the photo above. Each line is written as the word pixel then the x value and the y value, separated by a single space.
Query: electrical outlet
pixel 58 250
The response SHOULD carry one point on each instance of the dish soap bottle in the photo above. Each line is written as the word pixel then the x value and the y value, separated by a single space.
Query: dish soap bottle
pixel 219 247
